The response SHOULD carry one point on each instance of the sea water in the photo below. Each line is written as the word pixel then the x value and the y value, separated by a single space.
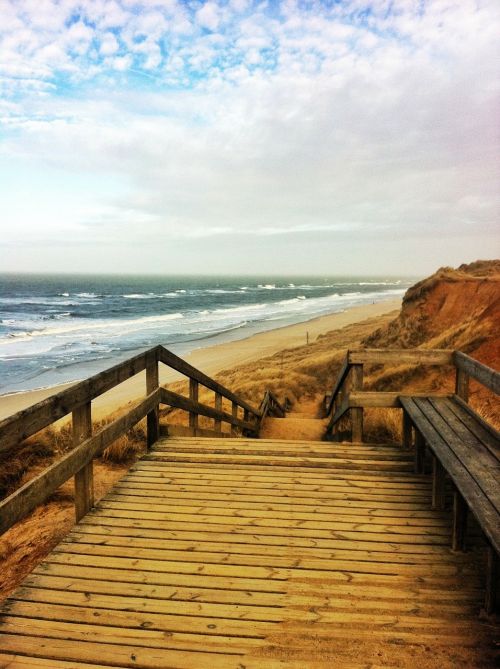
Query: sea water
pixel 55 329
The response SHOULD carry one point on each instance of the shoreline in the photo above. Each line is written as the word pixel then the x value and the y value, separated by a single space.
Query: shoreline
pixel 211 359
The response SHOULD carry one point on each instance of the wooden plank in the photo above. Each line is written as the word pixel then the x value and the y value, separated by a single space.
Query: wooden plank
pixel 180 402
pixel 266 526
pixel 218 408
pixel 274 505
pixel 125 656
pixel 27 422
pixel 84 478
pixel 148 638
pixel 180 365
pixel 492 578
pixel 486 433
pixel 341 376
pixel 338 415
pixel 356 413
pixel 193 395
pixel 462 384
pixel 468 486
pixel 142 503
pixel 419 453
pixel 459 522
pixel 438 484
pixel 234 414
pixel 34 492
pixel 381 552
pixel 336 541
pixel 375 399
pixel 407 432
pixel 488 377
pixel 140 620
pixel 284 461
pixel 152 384
pixel 481 464
pixel 401 356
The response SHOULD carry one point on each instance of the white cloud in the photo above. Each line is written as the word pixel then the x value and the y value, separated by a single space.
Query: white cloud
pixel 208 16
pixel 319 122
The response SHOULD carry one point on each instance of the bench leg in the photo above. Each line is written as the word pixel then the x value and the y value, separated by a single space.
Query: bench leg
pixel 459 522
pixel 407 431
pixel 419 453
pixel 492 574
pixel 438 484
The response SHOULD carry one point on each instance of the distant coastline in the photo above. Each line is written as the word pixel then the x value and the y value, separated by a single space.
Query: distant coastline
pixel 58 329
pixel 215 357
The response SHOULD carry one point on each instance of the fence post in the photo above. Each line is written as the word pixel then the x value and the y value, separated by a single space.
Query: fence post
pixel 234 412
pixel 357 413
pixel 462 384
pixel 152 383
pixel 193 395
pixel 84 478
pixel 218 406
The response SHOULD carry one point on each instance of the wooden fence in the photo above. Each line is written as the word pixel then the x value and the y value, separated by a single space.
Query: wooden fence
pixel 77 401
pixel 348 398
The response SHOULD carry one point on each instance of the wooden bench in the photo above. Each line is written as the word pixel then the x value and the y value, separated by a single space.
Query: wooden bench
pixel 467 449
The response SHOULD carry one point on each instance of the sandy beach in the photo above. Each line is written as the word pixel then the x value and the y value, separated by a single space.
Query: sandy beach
pixel 213 359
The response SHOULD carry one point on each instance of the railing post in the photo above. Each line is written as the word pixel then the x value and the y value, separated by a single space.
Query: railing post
pixel 234 412
pixel 218 407
pixel 193 395
pixel 357 413
pixel 84 478
pixel 152 383
pixel 407 431
pixel 492 578
pixel 462 384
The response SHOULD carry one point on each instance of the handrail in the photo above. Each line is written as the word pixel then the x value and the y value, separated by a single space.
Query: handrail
pixel 38 490
pixel 78 398
pixel 28 422
pixel 356 399
pixel 468 367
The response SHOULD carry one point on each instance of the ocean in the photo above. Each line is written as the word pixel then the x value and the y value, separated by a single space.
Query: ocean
pixel 55 329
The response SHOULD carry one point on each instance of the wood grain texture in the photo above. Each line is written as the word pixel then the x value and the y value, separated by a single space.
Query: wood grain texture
pixel 202 563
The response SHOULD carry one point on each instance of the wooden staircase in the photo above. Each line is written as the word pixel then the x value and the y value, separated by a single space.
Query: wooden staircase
pixel 246 554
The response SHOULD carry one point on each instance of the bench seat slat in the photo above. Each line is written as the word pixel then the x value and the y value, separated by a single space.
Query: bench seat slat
pixel 484 432
pixel 481 464
pixel 486 514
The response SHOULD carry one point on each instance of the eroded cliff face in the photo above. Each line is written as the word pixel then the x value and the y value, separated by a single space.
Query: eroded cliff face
pixel 453 308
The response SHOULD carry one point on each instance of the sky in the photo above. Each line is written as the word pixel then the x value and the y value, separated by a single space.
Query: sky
pixel 228 137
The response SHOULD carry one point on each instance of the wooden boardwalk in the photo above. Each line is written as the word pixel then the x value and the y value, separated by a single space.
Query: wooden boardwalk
pixel 244 554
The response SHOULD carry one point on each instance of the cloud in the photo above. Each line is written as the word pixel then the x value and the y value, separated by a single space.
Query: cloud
pixel 374 120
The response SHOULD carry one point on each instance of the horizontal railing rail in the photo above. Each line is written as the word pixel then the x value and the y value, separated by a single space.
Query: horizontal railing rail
pixel 77 400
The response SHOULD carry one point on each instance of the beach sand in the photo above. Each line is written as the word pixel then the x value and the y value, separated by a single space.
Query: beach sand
pixel 213 359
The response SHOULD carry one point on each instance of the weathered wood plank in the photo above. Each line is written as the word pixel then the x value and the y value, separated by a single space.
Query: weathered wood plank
pixel 152 383
pixel 477 501
pixel 341 376
pixel 84 478
pixel 401 356
pixel 485 375
pixel 356 413
pixel 193 395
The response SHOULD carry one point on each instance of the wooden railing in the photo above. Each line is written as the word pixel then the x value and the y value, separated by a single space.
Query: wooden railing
pixel 77 401
pixel 348 398
pixel 270 405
